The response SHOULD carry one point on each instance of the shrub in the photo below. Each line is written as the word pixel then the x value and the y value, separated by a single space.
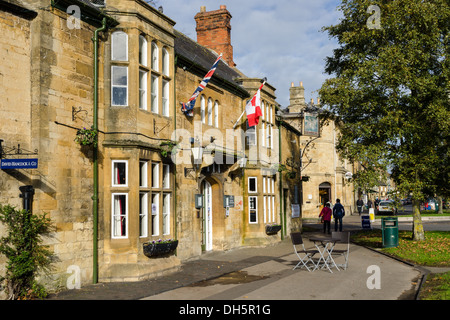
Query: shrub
pixel 26 256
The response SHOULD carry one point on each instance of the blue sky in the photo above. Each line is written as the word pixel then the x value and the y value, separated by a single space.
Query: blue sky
pixel 280 40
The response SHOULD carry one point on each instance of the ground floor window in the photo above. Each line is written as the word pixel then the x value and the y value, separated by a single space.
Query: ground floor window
pixel 150 211
pixel 253 209
pixel 119 215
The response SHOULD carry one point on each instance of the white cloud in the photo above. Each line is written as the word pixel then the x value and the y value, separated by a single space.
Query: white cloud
pixel 280 40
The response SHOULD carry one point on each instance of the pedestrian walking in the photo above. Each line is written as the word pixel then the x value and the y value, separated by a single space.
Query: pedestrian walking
pixel 369 204
pixel 338 214
pixel 325 213
pixel 359 205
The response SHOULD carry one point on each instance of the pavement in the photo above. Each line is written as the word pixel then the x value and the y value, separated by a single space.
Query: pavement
pixel 265 273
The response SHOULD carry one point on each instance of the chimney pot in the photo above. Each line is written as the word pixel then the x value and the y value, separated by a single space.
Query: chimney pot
pixel 223 6
pixel 203 9
pixel 301 83
pixel 292 84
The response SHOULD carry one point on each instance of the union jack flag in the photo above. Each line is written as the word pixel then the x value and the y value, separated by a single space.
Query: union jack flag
pixel 188 107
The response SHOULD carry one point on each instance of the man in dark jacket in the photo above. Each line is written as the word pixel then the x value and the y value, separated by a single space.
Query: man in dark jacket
pixel 338 214
pixel 359 205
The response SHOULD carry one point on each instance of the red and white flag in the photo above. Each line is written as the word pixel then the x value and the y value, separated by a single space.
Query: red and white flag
pixel 253 108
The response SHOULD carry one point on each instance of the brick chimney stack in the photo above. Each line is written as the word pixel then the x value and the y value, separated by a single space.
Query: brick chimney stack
pixel 213 31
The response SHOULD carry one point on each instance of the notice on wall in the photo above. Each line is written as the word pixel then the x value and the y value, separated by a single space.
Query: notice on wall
pixel 295 210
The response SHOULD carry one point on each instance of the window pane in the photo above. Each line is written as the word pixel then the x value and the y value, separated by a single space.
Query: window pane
pixel 216 114
pixel 252 209
pixel 155 107
pixel 143 214
pixel 119 84
pixel 273 208
pixel 166 176
pixel 119 212
pixel 143 90
pixel 165 62
pixel 119 46
pixel 119 96
pixel 119 173
pixel 166 213
pixel 143 174
pixel 210 111
pixel 142 51
pixel 251 135
pixel 251 184
pixel 155 214
pixel 202 108
pixel 165 98
pixel 119 76
pixel 155 57
pixel 155 175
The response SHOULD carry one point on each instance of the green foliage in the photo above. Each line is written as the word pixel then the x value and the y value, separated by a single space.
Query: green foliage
pixel 26 256
pixel 167 147
pixel 86 137
pixel 390 93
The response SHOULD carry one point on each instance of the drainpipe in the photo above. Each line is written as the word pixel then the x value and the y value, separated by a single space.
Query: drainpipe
pixel 175 129
pixel 95 127
pixel 282 221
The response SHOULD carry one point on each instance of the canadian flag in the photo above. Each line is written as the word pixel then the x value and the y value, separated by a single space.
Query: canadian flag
pixel 253 108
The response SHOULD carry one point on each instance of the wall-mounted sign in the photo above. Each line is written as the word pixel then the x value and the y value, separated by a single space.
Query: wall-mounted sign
pixel 295 210
pixel 19 164
pixel 228 201
pixel 311 125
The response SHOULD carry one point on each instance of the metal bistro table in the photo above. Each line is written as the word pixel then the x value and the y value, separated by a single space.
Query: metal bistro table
pixel 325 245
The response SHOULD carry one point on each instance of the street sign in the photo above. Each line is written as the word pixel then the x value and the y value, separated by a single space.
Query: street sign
pixel 19 164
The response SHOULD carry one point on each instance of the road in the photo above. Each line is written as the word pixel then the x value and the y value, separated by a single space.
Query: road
pixel 429 224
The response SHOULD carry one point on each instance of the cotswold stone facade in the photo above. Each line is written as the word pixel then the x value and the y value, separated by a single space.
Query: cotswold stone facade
pixel 47 72
pixel 323 170
pixel 140 182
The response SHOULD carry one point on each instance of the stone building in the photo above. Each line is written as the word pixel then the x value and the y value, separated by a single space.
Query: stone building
pixel 144 179
pixel 325 174
pixel 230 167
pixel 108 199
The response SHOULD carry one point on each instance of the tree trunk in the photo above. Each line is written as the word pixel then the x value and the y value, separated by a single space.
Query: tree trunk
pixel 440 203
pixel 418 233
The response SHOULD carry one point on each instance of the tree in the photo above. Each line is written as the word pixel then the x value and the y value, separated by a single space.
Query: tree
pixel 390 92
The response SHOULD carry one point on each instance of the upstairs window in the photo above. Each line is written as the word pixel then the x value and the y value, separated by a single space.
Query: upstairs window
pixel 119 74
pixel 119 46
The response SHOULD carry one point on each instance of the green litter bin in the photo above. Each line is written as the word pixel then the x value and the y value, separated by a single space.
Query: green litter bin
pixel 389 232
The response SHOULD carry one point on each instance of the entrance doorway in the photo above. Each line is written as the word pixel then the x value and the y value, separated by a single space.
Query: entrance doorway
pixel 324 193
pixel 207 216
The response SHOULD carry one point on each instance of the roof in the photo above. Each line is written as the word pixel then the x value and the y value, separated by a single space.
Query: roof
pixel 199 59
pixel 17 8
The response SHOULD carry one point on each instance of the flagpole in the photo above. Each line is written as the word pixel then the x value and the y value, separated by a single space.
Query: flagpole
pixel 263 83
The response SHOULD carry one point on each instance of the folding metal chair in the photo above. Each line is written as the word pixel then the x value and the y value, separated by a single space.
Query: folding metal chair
pixel 344 238
pixel 297 239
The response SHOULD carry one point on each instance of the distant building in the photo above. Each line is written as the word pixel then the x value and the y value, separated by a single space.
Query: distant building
pixel 325 176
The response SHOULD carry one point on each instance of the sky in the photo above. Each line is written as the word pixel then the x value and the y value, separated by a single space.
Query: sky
pixel 281 40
